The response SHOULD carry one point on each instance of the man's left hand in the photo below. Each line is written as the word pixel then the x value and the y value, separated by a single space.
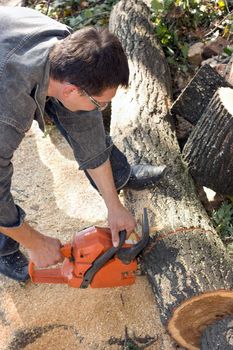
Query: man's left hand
pixel 120 219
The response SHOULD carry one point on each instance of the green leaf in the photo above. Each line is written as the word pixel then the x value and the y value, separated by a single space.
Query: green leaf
pixel 185 50
pixel 228 50
pixel 88 13
pixel 223 220
pixel 157 5
pixel 167 4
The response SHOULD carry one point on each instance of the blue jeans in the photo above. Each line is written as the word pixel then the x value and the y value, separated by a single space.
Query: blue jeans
pixel 120 167
pixel 7 244
pixel 121 173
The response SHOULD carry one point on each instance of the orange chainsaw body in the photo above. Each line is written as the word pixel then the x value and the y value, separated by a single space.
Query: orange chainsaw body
pixel 87 246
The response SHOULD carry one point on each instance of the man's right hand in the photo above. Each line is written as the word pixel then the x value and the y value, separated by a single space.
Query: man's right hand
pixel 46 252
pixel 43 250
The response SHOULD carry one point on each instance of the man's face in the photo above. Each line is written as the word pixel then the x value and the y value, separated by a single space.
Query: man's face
pixel 76 99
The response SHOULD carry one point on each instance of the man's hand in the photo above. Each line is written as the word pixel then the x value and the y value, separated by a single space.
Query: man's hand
pixel 120 219
pixel 43 250
pixel 46 252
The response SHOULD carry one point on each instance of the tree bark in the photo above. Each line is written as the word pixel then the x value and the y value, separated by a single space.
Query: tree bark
pixel 196 96
pixel 208 151
pixel 185 258
pixel 218 336
pixel 192 102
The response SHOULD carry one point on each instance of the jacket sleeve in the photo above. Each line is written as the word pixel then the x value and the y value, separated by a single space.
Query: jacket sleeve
pixel 11 215
pixel 86 135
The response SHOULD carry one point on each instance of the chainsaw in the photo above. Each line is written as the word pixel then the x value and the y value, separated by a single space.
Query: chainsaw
pixel 91 259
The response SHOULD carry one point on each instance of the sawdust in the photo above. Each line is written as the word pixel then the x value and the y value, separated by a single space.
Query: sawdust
pixel 59 201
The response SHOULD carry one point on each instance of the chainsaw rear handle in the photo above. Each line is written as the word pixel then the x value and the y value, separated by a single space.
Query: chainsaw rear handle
pixel 46 275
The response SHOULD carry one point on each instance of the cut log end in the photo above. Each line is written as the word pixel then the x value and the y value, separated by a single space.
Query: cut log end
pixel 193 316
pixel 226 96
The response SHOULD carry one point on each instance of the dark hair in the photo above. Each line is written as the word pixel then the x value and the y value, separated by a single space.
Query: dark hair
pixel 92 59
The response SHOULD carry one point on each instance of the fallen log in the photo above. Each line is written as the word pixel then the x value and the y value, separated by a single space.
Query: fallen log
pixel 192 102
pixel 208 151
pixel 195 97
pixel 218 336
pixel 185 261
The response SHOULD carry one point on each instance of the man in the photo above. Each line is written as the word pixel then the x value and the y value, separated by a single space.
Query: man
pixel 43 66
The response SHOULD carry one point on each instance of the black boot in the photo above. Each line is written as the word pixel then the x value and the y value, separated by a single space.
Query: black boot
pixel 14 266
pixel 145 176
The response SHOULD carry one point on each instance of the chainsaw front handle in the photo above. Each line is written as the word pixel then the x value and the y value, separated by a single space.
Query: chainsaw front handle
pixel 126 255
pixel 101 261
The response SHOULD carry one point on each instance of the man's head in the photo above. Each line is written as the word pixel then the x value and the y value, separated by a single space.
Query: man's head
pixel 91 59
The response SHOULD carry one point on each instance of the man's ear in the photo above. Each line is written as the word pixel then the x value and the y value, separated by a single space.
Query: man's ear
pixel 69 89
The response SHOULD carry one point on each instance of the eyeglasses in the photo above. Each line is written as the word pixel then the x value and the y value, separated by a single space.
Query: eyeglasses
pixel 100 105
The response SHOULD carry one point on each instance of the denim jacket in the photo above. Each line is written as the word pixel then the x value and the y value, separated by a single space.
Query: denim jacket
pixel 26 39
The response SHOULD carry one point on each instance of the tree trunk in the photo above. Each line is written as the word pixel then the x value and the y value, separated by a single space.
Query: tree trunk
pixel 209 151
pixel 194 99
pixel 192 102
pixel 185 259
